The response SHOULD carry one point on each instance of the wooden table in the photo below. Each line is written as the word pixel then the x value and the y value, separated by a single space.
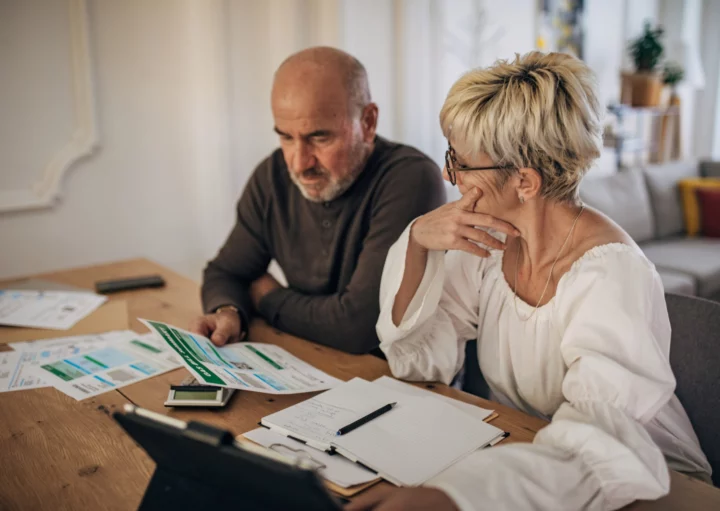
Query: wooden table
pixel 64 454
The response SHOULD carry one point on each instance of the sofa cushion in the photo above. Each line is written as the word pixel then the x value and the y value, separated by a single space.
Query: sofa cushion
pixel 698 257
pixel 710 168
pixel 623 197
pixel 677 282
pixel 709 201
pixel 662 183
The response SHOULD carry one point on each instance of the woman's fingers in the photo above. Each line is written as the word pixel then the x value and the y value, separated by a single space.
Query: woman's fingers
pixel 471 248
pixel 467 201
pixel 483 220
pixel 473 234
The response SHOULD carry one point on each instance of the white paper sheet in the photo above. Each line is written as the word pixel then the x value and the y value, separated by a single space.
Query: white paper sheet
pixel 416 440
pixel 17 367
pixel 336 469
pixel 255 367
pixel 110 366
pixel 58 310
pixel 317 420
pixel 411 390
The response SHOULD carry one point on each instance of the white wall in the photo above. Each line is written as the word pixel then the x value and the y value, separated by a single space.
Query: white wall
pixel 707 132
pixel 150 184
pixel 183 108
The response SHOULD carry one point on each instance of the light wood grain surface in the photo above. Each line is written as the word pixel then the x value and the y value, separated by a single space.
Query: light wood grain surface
pixel 58 453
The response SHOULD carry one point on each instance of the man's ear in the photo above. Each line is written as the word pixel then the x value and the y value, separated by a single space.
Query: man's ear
pixel 368 121
pixel 529 184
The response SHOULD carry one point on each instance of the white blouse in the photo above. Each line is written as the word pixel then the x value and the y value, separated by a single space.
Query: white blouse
pixel 594 360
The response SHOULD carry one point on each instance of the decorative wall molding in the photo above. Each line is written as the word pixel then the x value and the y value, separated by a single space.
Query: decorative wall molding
pixel 84 137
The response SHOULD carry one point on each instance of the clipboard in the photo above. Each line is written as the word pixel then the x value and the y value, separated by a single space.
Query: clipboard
pixel 202 467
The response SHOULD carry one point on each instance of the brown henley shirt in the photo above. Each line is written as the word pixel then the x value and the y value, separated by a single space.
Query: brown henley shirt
pixel 332 253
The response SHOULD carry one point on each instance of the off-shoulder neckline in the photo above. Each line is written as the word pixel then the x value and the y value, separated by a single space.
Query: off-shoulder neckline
pixel 593 253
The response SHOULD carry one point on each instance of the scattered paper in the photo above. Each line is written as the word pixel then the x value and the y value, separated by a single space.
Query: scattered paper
pixel 336 469
pixel 254 367
pixel 111 316
pixel 17 368
pixel 58 310
pixel 109 366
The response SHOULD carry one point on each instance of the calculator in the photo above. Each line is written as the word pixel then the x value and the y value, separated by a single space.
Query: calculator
pixel 191 392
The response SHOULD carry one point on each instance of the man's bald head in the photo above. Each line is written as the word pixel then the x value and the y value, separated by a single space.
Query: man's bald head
pixel 323 75
pixel 325 120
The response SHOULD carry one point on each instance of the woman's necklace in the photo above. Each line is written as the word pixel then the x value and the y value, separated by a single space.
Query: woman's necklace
pixel 517 262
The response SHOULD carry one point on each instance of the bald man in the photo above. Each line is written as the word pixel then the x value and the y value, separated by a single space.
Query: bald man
pixel 327 206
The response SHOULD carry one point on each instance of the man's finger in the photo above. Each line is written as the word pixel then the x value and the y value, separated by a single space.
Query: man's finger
pixel 483 220
pixel 467 201
pixel 227 329
pixel 473 234
pixel 200 326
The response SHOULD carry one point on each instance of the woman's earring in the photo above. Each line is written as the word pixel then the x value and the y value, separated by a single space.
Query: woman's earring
pixel 521 199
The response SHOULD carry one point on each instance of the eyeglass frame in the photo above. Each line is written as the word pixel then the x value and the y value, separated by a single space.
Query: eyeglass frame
pixel 450 158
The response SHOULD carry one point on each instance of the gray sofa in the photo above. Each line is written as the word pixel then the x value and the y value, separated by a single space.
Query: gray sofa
pixel 646 203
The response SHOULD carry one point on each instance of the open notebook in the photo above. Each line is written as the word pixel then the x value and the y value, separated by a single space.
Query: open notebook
pixel 416 440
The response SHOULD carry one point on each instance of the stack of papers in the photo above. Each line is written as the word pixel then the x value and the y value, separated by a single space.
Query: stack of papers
pixel 419 438
pixel 255 367
pixel 57 310
pixel 85 366
pixel 335 469
pixel 18 368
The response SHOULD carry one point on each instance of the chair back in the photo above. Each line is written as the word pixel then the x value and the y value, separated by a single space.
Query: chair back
pixel 695 360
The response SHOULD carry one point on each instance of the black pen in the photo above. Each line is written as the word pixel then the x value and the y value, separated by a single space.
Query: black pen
pixel 363 420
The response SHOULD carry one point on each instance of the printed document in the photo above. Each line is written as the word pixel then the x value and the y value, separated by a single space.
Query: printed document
pixel 109 366
pixel 17 367
pixel 255 367
pixel 57 310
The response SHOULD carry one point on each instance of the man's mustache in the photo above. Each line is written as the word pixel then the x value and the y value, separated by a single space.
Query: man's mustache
pixel 313 172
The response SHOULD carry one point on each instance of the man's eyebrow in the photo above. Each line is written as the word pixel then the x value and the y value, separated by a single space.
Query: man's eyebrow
pixel 316 133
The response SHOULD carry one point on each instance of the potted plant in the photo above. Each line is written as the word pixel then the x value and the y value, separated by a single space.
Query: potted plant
pixel 646 83
pixel 672 75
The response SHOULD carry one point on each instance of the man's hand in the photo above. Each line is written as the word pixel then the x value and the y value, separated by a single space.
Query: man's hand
pixel 221 327
pixel 261 287
pixel 400 499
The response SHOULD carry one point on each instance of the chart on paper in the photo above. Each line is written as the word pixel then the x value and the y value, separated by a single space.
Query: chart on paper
pixel 109 367
pixel 256 367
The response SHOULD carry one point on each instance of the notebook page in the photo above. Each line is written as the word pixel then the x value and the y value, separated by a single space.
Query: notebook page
pixel 317 420
pixel 417 440
pixel 411 390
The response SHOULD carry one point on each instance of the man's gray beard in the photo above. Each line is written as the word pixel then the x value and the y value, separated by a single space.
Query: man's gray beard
pixel 333 189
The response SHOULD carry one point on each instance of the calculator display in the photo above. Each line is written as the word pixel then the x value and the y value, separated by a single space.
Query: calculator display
pixel 196 395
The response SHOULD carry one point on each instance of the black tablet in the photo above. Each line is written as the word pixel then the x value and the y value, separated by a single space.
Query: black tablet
pixel 202 467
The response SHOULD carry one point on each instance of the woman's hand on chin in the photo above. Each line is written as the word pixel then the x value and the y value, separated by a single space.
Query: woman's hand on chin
pixel 453 227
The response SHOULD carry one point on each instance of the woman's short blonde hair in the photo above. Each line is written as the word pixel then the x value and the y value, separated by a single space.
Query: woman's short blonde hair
pixel 539 111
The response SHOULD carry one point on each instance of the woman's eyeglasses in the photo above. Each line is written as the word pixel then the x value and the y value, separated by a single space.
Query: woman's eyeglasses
pixel 452 166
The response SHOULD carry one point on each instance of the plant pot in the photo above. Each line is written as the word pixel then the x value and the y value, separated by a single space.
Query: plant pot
pixel 646 89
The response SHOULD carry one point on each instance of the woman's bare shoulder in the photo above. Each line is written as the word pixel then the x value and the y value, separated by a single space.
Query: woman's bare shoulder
pixel 598 229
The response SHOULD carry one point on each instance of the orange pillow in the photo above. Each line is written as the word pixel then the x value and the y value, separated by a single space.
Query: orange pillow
pixel 691 208
pixel 709 200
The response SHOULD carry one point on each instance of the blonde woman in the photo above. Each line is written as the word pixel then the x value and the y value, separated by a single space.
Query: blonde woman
pixel 569 315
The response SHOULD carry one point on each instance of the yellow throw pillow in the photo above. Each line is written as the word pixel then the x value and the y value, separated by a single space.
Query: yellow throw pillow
pixel 691 208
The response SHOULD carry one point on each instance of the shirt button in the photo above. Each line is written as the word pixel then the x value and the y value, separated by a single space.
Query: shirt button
pixel 326 204
pixel 324 252
pixel 326 223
